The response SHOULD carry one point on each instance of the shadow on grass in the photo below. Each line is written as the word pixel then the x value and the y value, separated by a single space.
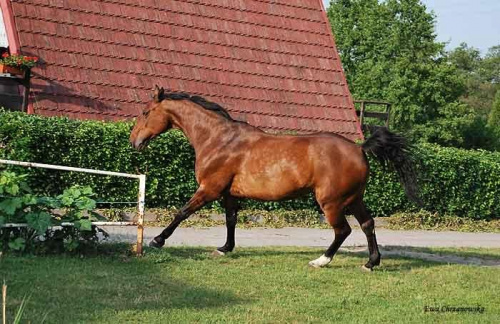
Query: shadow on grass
pixel 178 254
pixel 413 257
pixel 429 256
pixel 460 252
pixel 72 289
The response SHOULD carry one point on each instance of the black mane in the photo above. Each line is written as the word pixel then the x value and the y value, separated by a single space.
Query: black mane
pixel 212 106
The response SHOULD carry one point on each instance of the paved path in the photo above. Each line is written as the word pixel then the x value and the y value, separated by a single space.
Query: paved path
pixel 310 237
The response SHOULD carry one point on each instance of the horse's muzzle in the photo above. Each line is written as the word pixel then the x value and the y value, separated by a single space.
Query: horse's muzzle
pixel 139 143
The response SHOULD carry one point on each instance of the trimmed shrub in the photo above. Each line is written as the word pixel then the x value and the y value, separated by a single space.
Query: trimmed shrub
pixel 453 181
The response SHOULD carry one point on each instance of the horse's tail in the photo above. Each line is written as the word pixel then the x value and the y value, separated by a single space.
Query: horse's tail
pixel 392 150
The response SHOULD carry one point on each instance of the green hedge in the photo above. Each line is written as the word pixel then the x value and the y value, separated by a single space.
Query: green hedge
pixel 465 183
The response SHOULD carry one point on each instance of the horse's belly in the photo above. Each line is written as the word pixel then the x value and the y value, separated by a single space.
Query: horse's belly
pixel 263 187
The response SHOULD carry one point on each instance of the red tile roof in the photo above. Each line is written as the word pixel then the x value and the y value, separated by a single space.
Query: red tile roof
pixel 270 63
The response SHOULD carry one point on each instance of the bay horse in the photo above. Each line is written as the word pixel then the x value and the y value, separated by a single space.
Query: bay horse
pixel 236 160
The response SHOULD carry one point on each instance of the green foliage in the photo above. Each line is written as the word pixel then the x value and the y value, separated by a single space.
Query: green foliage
pixel 494 115
pixel 454 181
pixel 424 220
pixel 246 218
pixel 19 205
pixel 480 96
pixel 103 146
pixel 389 51
pixel 458 126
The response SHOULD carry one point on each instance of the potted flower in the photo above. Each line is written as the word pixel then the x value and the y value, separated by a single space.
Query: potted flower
pixel 16 64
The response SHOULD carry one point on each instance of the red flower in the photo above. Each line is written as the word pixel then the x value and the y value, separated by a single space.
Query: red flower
pixel 4 55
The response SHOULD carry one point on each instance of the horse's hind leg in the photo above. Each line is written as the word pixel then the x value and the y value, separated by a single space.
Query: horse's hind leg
pixel 368 226
pixel 335 216
pixel 231 205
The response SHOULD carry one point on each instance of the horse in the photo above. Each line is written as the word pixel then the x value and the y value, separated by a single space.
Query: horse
pixel 235 160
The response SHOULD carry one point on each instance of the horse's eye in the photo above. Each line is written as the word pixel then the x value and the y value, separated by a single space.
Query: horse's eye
pixel 145 113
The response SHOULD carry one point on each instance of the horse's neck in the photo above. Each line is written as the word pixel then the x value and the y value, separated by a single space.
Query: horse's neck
pixel 200 126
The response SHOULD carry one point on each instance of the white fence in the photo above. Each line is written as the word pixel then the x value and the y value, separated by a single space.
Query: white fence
pixel 140 199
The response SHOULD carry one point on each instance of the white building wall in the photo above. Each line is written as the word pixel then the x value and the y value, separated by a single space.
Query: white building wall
pixel 3 34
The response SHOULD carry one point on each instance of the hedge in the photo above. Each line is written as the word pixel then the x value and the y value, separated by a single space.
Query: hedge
pixel 453 181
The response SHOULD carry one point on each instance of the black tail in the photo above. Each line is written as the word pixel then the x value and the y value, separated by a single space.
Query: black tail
pixel 392 150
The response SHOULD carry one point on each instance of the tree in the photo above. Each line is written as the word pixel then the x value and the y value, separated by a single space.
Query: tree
pixel 481 75
pixel 466 59
pixel 490 67
pixel 494 120
pixel 389 51
pixel 482 92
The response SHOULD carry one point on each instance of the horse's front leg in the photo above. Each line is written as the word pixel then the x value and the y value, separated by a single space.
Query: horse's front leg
pixel 231 205
pixel 199 199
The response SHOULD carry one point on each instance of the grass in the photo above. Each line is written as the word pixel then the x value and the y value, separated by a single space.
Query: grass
pixel 258 285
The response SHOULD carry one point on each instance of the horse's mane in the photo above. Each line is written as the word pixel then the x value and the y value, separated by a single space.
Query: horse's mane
pixel 212 106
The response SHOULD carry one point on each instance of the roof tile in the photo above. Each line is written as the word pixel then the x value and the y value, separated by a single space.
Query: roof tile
pixel 271 63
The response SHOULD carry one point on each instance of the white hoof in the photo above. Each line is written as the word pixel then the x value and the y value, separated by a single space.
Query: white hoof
pixel 218 253
pixel 366 269
pixel 320 262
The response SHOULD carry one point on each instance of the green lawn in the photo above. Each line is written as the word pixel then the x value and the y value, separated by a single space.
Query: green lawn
pixel 259 285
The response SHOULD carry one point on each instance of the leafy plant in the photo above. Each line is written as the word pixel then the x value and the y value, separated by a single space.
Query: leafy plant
pixel 19 61
pixel 19 205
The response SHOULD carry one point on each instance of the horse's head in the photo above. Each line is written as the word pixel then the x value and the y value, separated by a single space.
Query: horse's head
pixel 153 121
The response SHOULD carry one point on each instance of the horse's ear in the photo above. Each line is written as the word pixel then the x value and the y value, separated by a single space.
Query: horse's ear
pixel 159 94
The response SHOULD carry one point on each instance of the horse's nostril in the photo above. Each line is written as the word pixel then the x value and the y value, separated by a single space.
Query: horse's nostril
pixel 137 143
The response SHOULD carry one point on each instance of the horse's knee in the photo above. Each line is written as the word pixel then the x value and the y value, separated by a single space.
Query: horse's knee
pixel 346 231
pixel 342 231
pixel 368 226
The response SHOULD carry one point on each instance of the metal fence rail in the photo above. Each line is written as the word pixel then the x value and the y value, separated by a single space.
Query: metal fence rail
pixel 140 199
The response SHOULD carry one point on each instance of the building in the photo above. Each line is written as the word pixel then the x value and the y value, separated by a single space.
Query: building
pixel 272 63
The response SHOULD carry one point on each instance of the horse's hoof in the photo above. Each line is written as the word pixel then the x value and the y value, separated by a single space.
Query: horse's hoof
pixel 217 253
pixel 154 243
pixel 365 268
pixel 320 262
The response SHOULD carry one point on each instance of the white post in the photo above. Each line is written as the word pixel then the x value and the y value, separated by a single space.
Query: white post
pixel 140 212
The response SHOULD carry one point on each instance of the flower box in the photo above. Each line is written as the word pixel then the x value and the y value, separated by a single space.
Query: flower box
pixel 11 69
pixel 16 64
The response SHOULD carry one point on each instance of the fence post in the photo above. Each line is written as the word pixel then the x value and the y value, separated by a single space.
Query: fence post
pixel 140 212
